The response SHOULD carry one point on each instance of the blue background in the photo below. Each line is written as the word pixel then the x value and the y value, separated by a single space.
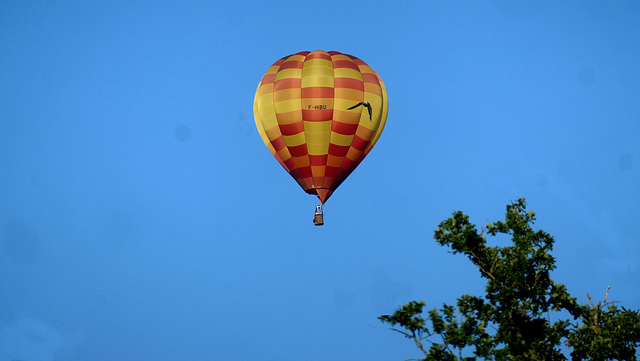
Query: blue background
pixel 142 218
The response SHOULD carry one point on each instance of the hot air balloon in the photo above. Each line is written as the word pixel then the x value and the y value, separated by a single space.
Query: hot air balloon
pixel 320 113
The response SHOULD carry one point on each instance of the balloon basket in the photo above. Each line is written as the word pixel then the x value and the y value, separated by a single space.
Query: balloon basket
pixel 318 218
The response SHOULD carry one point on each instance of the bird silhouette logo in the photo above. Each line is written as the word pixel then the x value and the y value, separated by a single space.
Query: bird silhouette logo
pixel 367 105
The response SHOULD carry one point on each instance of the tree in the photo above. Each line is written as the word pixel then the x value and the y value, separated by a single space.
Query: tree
pixel 513 320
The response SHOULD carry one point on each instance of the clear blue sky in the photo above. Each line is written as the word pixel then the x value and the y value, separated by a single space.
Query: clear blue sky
pixel 142 217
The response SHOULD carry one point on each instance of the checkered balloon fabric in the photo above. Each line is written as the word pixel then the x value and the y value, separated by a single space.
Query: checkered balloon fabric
pixel 320 113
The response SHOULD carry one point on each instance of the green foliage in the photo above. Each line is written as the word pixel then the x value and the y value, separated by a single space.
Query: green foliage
pixel 512 321
pixel 609 333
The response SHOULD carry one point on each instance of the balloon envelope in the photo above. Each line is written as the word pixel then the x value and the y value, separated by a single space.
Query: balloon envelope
pixel 320 113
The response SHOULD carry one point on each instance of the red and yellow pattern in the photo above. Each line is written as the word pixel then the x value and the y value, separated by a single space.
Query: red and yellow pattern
pixel 301 111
